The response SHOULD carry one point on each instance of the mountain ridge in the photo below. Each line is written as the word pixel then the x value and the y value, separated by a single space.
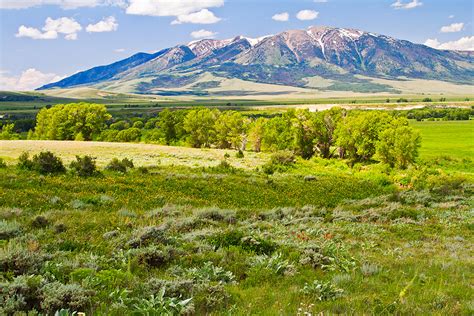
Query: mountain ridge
pixel 288 58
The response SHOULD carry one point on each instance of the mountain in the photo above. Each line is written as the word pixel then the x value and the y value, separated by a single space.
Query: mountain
pixel 319 58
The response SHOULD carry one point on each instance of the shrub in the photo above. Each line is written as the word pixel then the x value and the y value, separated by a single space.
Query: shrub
pixel 218 215
pixel 147 235
pixel 39 222
pixel 9 229
pixel 237 238
pixel 47 163
pixel 283 158
pixel 3 164
pixel 17 259
pixel 119 165
pixel 239 154
pixel 154 256
pixel 56 296
pixel 322 291
pixel 24 162
pixel 84 166
pixel 21 295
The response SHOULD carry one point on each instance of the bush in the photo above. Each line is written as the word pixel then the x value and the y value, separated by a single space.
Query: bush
pixel 119 165
pixel 84 166
pixel 3 164
pixel 24 162
pixel 9 229
pixel 47 163
pixel 248 243
pixel 206 273
pixel 39 222
pixel 239 154
pixel 276 264
pixel 21 295
pixel 72 296
pixel 17 260
pixel 283 158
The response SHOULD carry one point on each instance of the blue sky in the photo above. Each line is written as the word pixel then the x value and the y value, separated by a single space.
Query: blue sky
pixel 44 40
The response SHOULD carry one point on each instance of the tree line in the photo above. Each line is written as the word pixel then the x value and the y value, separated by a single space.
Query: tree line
pixel 359 136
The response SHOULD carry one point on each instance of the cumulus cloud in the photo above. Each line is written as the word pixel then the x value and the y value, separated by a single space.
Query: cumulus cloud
pixel 51 29
pixel 281 17
pixel 464 43
pixel 399 4
pixel 452 28
pixel 201 17
pixel 29 79
pixel 65 4
pixel 106 25
pixel 170 8
pixel 307 15
pixel 203 34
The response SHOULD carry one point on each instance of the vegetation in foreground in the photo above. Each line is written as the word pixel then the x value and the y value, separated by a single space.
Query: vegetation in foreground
pixel 316 236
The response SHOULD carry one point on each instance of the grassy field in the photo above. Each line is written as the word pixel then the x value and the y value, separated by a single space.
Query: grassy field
pixel 319 237
pixel 452 138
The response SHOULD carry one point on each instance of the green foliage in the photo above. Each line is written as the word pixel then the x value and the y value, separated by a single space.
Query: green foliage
pixel 84 166
pixel 3 164
pixel 9 229
pixel 399 145
pixel 200 126
pixel 229 129
pixel 45 163
pixel 67 121
pixel 56 296
pixel 8 133
pixel 322 291
pixel 161 305
pixel 132 134
pixel 119 165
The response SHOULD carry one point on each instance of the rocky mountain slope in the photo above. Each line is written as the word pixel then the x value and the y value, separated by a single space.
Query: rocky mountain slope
pixel 346 58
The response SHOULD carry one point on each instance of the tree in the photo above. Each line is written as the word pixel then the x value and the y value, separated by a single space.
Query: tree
pixel 303 133
pixel 358 134
pixel 8 133
pixel 278 133
pixel 66 121
pixel 200 127
pixel 170 125
pixel 229 129
pixel 324 126
pixel 399 144
pixel 256 133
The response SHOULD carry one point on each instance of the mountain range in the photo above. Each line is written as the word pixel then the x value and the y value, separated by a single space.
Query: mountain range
pixel 318 58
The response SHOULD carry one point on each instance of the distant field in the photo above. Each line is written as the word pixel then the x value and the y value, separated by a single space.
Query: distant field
pixel 454 139
pixel 142 154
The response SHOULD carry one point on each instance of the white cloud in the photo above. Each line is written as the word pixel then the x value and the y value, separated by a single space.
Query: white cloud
pixel 30 79
pixel 201 17
pixel 399 4
pixel 320 1
pixel 281 17
pixel 52 27
pixel 65 4
pixel 452 28
pixel 203 34
pixel 170 7
pixel 306 15
pixel 451 16
pixel 106 25
pixel 34 33
pixel 464 43
pixel 119 50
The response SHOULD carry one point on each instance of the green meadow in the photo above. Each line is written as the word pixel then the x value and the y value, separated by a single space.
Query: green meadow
pixel 191 231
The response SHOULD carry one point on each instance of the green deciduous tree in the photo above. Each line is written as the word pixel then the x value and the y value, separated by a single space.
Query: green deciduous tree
pixel 200 126
pixel 399 144
pixel 229 129
pixel 66 121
